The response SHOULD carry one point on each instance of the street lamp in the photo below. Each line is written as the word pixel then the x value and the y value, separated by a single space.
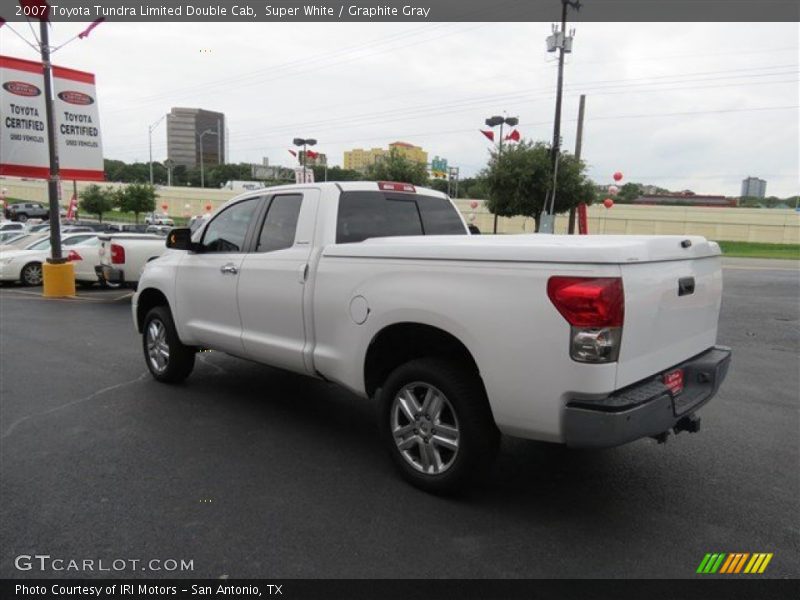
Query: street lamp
pixel 150 129
pixel 304 142
pixel 493 122
pixel 200 138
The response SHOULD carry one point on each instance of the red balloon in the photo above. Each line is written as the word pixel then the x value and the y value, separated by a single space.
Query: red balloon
pixel 208 207
pixel 473 204
pixel 608 203
pixel 617 176
pixel 164 207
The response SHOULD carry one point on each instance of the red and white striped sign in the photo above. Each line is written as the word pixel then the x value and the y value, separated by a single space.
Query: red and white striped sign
pixel 23 122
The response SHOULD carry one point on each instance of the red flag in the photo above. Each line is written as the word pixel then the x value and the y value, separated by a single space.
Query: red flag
pixel 311 154
pixel 513 136
pixel 36 9
pixel 293 153
pixel 85 33
pixel 488 134
pixel 73 207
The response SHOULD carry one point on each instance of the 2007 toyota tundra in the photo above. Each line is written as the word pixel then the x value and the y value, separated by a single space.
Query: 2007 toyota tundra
pixel 589 341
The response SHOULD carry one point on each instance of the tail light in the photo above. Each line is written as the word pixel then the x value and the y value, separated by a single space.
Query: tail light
pixel 74 256
pixel 595 309
pixel 117 254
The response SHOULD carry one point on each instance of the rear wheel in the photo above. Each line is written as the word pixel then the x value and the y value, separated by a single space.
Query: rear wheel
pixel 31 274
pixel 437 425
pixel 22 218
pixel 168 359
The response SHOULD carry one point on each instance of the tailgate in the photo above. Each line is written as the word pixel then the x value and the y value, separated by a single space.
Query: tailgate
pixel 666 321
pixel 105 251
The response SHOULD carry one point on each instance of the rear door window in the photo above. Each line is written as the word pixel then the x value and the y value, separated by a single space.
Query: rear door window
pixel 280 225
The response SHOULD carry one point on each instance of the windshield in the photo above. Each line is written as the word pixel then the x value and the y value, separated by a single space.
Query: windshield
pixel 40 245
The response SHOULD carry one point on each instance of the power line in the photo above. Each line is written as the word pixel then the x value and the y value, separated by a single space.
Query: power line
pixel 594 118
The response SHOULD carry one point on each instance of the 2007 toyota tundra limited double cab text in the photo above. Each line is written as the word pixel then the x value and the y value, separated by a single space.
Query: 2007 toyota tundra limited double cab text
pixel 588 341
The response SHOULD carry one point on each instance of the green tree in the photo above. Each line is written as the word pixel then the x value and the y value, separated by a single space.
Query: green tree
pixel 137 198
pixel 96 200
pixel 396 167
pixel 218 175
pixel 337 174
pixel 519 180
pixel 628 193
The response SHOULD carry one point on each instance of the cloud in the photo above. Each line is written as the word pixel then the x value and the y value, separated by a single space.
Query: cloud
pixel 433 84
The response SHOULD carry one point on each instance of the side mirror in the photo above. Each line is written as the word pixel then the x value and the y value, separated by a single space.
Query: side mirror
pixel 473 230
pixel 180 239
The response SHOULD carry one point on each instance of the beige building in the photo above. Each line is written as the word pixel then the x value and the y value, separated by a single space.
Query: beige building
pixel 359 159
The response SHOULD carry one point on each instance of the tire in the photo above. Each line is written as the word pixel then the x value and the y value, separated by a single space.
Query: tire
pixel 158 336
pixel 443 451
pixel 31 274
pixel 22 218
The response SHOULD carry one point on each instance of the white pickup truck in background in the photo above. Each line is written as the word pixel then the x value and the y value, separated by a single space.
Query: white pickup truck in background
pixel 124 255
pixel 588 341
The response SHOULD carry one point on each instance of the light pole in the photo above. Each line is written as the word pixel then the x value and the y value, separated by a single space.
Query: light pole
pixel 493 122
pixel 563 43
pixel 150 129
pixel 304 142
pixel 200 138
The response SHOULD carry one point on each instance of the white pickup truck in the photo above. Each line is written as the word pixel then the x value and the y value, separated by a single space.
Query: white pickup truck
pixel 588 341
pixel 124 255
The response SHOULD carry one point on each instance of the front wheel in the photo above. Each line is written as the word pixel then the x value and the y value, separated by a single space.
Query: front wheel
pixel 168 359
pixel 437 425
pixel 31 274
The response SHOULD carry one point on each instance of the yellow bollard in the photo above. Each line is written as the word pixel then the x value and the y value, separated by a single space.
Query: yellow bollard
pixel 59 280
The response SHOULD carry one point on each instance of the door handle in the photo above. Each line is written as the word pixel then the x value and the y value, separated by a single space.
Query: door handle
pixel 229 268
pixel 302 274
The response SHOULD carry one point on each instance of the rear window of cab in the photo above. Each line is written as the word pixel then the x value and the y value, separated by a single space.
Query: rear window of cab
pixel 368 214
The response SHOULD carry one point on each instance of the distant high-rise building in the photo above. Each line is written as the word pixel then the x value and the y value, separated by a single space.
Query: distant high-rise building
pixel 754 187
pixel 185 126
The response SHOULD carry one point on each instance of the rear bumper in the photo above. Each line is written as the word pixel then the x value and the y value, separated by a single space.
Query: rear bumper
pixel 109 274
pixel 646 408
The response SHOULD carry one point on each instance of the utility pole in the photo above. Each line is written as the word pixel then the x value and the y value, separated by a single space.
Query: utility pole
pixel 563 43
pixel 150 129
pixel 578 146
pixel 52 183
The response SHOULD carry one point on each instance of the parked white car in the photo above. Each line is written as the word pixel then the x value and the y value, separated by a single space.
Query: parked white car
pixel 124 255
pixel 158 219
pixel 588 341
pixel 25 265
pixel 13 226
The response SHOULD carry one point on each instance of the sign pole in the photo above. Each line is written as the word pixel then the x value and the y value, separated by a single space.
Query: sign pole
pixel 56 257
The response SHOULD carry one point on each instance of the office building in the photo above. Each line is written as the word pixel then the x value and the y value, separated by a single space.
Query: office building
pixel 186 128
pixel 360 159
pixel 754 187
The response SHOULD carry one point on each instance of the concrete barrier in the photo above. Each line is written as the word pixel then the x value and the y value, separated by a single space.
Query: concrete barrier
pixel 776 226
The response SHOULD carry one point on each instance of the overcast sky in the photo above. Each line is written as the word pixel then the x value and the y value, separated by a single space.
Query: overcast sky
pixel 693 106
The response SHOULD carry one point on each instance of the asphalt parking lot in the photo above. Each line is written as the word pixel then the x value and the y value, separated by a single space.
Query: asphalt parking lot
pixel 252 472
